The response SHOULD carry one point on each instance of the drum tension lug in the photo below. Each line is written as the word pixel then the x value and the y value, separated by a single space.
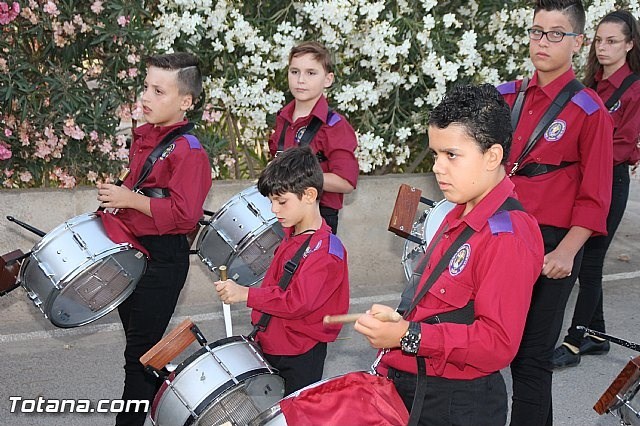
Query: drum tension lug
pixel 162 374
pixel 427 201
pixel 199 336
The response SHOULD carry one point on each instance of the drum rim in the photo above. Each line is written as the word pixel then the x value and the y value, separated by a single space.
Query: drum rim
pixel 203 350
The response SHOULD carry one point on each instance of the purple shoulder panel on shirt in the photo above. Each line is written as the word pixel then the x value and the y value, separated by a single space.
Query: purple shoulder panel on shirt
pixel 507 88
pixel 500 222
pixel 335 247
pixel 194 143
pixel 333 119
pixel 586 102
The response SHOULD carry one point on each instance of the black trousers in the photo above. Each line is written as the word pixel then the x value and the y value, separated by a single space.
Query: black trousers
pixel 588 311
pixel 331 217
pixel 299 371
pixel 531 370
pixel 478 402
pixel 146 313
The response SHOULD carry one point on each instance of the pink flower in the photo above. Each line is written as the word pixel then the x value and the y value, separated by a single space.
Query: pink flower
pixel 8 132
pixel 8 13
pixel 51 8
pixel 25 176
pixel 5 152
pixel 97 7
pixel 93 135
pixel 123 21
pixel 133 72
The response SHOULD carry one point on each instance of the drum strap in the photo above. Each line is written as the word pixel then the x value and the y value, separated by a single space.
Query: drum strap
pixel 157 152
pixel 464 315
pixel 615 97
pixel 307 136
pixel 558 104
pixel 290 268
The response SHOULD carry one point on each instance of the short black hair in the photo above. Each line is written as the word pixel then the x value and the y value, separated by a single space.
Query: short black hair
pixel 572 8
pixel 189 76
pixel 294 170
pixel 481 111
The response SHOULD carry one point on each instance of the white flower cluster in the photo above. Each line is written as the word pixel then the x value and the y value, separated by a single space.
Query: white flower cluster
pixel 394 60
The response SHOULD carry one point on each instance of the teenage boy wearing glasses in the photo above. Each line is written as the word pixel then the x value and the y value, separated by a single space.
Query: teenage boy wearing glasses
pixel 564 180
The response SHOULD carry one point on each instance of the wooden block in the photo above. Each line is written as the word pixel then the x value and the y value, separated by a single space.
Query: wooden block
pixel 627 378
pixel 9 269
pixel 170 346
pixel 404 211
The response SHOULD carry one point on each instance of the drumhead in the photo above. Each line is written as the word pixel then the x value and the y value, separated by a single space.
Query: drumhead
pixel 243 235
pixel 425 228
pixel 76 274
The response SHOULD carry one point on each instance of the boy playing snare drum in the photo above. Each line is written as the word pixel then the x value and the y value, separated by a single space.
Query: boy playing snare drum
pixel 295 339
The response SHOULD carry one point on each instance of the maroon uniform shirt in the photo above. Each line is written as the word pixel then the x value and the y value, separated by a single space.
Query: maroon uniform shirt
pixel 625 114
pixel 577 195
pixel 496 268
pixel 335 139
pixel 319 287
pixel 183 169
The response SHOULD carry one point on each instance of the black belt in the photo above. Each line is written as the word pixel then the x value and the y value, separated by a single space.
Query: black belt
pixel 155 192
pixel 537 169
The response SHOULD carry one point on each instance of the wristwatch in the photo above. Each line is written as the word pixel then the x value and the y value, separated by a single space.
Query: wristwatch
pixel 410 342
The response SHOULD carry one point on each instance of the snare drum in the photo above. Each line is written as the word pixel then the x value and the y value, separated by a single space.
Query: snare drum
pixel 242 235
pixel 76 274
pixel 225 381
pixel 357 398
pixel 425 228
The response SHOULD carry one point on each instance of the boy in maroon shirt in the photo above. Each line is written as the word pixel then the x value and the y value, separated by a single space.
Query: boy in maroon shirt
pixel 466 321
pixel 166 206
pixel 295 339
pixel 308 120
pixel 562 174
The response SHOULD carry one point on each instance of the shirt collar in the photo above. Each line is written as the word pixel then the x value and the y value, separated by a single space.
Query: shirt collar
pixel 486 208
pixel 152 135
pixel 552 89
pixel 617 77
pixel 320 110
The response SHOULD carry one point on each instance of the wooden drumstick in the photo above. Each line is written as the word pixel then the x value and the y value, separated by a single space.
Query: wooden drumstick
pixel 226 308
pixel 385 316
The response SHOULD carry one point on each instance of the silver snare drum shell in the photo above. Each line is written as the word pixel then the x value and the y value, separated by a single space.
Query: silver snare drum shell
pixel 226 381
pixel 242 235
pixel 76 274
pixel 425 228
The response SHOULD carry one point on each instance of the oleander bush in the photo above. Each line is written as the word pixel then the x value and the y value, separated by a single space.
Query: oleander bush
pixel 70 73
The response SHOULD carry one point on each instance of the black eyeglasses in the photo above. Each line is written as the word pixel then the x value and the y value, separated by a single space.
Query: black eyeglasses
pixel 552 36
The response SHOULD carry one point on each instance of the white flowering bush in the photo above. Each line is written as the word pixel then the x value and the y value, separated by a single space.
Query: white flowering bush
pixel 394 62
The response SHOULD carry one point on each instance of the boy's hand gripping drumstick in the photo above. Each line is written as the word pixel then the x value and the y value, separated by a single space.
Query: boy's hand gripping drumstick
pixel 385 316
pixel 226 309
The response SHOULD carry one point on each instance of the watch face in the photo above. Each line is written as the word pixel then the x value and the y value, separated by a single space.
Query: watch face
pixel 410 342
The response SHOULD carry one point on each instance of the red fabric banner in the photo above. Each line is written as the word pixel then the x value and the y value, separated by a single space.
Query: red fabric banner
pixel 357 398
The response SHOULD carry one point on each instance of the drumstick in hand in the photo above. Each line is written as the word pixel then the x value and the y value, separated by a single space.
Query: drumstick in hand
pixel 385 316
pixel 226 309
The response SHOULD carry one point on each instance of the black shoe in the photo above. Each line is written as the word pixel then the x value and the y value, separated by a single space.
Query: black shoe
pixel 564 357
pixel 590 346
